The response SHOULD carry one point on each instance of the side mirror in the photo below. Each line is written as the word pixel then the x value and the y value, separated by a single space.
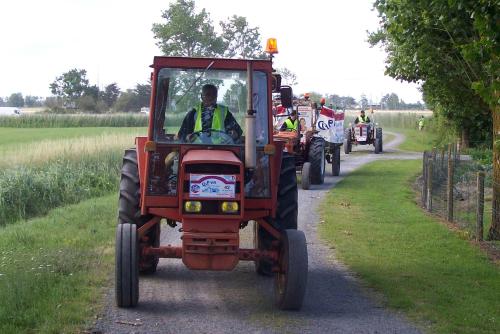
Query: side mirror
pixel 286 96
pixel 276 83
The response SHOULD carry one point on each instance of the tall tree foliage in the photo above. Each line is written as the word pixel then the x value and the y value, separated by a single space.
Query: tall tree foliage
pixel 241 40
pixel 16 100
pixel 287 76
pixel 187 33
pixel 452 48
pixel 70 85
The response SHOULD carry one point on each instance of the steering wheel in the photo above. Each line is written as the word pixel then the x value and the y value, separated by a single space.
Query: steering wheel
pixel 206 137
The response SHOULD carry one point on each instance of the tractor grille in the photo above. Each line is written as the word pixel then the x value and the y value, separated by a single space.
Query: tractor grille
pixel 212 168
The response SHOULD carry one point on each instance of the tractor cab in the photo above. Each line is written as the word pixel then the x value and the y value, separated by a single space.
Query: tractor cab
pixel 211 164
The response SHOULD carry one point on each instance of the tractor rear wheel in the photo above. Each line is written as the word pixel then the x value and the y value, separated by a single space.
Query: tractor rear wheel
pixel 347 142
pixel 380 135
pixel 317 160
pixel 336 161
pixel 291 280
pixel 286 213
pixel 126 265
pixel 305 179
pixel 129 211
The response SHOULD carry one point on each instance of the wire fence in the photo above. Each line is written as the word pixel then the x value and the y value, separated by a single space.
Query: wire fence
pixel 457 189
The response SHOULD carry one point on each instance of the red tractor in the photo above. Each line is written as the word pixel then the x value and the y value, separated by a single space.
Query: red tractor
pixel 363 134
pixel 212 182
pixel 304 143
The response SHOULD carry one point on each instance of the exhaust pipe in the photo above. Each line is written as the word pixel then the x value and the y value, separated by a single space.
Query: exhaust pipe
pixel 250 150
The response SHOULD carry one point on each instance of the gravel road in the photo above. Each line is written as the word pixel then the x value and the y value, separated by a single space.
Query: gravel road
pixel 177 300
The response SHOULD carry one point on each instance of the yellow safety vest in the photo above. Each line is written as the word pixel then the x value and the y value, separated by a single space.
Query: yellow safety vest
pixel 361 120
pixel 218 118
pixel 291 126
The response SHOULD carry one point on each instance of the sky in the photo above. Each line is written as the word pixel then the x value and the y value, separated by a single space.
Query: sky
pixel 322 42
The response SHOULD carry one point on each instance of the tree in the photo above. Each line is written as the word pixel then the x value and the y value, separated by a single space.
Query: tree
pixel 2 102
pixel 143 92
pixel 241 40
pixel 110 94
pixel 32 101
pixel 363 102
pixel 15 100
pixel 70 86
pixel 187 33
pixel 452 48
pixel 391 101
pixel 287 76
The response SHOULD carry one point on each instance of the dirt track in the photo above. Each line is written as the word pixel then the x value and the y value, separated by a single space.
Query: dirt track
pixel 177 300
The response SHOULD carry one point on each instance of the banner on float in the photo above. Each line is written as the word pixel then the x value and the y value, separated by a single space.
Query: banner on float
pixel 330 125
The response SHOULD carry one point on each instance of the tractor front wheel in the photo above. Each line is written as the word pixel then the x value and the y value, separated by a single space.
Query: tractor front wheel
pixel 317 160
pixel 286 212
pixel 291 280
pixel 305 180
pixel 129 211
pixel 126 266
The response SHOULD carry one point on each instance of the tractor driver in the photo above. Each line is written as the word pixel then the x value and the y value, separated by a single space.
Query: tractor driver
pixel 291 123
pixel 208 115
pixel 362 118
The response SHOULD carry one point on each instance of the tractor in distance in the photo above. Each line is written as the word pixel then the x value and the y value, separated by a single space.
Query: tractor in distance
pixel 363 133
pixel 212 182
pixel 303 142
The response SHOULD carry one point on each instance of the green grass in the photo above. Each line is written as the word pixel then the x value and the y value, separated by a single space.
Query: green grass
pixel 422 267
pixel 416 141
pixel 52 269
pixel 14 136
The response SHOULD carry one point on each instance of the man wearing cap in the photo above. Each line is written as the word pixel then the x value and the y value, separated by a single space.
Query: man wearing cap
pixel 208 116
pixel 291 123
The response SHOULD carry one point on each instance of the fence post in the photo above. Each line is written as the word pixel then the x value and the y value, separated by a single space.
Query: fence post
pixel 455 152
pixel 480 206
pixel 449 187
pixel 429 184
pixel 442 158
pixel 424 179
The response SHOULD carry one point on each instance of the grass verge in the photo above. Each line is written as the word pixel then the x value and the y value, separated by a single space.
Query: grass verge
pixel 52 268
pixel 422 268
pixel 416 141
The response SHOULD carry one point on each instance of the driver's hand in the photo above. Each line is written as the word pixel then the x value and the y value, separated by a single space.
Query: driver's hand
pixel 233 134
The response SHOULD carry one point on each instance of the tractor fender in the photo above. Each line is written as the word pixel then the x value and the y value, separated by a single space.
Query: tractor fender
pixel 140 142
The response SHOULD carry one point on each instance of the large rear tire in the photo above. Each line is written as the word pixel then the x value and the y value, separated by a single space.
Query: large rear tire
pixel 305 178
pixel 291 280
pixel 317 160
pixel 286 212
pixel 347 142
pixel 129 211
pixel 379 134
pixel 336 161
pixel 126 266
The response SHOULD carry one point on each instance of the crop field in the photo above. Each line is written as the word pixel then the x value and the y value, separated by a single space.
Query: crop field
pixel 47 167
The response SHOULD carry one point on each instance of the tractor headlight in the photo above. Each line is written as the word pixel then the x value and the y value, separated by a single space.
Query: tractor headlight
pixel 229 207
pixel 192 206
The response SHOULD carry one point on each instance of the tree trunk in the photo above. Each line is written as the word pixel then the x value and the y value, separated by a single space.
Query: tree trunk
pixel 465 138
pixel 494 232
